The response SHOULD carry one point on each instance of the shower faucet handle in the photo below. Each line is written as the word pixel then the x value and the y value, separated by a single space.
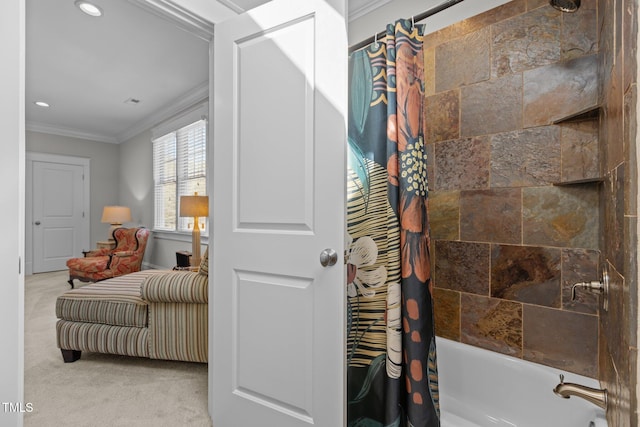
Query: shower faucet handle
pixel 601 287
pixel 590 286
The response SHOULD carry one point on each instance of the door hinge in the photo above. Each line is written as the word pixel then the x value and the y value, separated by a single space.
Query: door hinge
pixel 19 265
pixel 83 214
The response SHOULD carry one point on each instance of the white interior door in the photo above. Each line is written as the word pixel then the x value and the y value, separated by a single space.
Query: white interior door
pixel 58 201
pixel 278 317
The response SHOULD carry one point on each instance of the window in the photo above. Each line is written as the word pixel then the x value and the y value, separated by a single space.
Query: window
pixel 179 169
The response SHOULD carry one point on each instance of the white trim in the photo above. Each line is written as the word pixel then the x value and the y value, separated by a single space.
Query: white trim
pixel 199 94
pixel 178 236
pixel 187 117
pixel 231 5
pixel 177 15
pixel 362 7
pixel 149 266
pixel 86 222
pixel 69 132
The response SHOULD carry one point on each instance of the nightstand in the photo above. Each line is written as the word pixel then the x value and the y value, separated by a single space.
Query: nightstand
pixel 193 269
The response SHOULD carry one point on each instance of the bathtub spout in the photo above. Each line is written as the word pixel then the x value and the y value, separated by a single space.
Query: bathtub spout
pixel 594 395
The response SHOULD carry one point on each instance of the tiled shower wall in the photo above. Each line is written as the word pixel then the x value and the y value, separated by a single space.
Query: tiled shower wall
pixel 618 23
pixel 507 241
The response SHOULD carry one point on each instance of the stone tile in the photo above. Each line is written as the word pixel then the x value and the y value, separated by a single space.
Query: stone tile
pixel 463 61
pixel 530 157
pixel 561 339
pixel 630 43
pixel 491 215
pixel 475 23
pixel 633 391
pixel 491 107
pixel 615 321
pixel 559 90
pixel 442 116
pixel 526 41
pixel 609 380
pixel 630 132
pixel 446 305
pixel 606 40
pixel 580 31
pixel 561 216
pixel 534 4
pixel 613 221
pixel 579 146
pixel 580 265
pixel 462 164
pixel 429 70
pixel 444 215
pixel 616 358
pixel 526 274
pixel 462 266
pixel 492 324
pixel 431 173
pixel 613 118
pixel 631 277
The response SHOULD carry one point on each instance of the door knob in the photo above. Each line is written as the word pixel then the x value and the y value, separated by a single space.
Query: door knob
pixel 328 257
pixel 37 222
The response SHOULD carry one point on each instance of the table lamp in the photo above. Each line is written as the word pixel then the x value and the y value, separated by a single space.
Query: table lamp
pixel 194 206
pixel 116 216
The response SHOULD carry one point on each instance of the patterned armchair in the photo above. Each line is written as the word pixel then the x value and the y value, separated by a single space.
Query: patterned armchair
pixel 103 264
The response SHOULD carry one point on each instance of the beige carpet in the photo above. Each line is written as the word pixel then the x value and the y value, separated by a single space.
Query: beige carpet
pixel 101 390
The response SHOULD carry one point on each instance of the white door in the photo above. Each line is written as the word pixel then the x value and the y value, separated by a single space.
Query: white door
pixel 278 316
pixel 57 214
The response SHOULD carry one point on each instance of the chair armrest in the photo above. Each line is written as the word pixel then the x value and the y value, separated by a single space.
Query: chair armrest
pixel 97 252
pixel 176 286
pixel 123 253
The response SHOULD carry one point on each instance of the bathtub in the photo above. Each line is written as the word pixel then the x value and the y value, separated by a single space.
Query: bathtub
pixel 483 388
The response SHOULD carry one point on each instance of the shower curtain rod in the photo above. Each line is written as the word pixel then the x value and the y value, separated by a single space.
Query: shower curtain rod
pixel 416 18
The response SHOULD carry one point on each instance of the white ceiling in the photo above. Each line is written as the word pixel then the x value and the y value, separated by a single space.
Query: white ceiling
pixel 87 68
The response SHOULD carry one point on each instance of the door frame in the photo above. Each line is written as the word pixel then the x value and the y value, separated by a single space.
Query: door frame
pixel 85 227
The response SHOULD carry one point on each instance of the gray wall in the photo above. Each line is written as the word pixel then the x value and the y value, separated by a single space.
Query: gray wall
pixel 121 174
pixel 105 160
pixel 136 191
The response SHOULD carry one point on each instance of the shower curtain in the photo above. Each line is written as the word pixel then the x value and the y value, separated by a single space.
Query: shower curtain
pixel 391 367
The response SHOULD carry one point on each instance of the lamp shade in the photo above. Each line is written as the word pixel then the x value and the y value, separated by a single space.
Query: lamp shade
pixel 116 214
pixel 194 206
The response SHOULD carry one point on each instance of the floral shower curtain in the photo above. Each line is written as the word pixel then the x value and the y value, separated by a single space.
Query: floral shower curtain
pixel 392 372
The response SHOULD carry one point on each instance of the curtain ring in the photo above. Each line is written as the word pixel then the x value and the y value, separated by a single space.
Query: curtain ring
pixel 375 40
pixel 413 24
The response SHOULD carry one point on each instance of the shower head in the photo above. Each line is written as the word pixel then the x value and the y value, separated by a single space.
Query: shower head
pixel 565 5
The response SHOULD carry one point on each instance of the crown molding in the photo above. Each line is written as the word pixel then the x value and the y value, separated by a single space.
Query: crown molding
pixel 68 132
pixel 179 16
pixel 196 95
pixel 359 8
pixel 231 5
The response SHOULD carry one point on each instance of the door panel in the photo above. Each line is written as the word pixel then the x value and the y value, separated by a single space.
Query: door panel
pixel 279 134
pixel 57 214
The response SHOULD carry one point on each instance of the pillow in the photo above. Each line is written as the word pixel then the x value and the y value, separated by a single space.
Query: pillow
pixel 204 263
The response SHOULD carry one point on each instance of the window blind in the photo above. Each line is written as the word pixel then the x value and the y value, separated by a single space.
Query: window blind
pixel 179 169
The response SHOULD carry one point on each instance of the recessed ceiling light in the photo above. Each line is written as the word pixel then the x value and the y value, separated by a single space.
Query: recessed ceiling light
pixel 88 8
pixel 41 104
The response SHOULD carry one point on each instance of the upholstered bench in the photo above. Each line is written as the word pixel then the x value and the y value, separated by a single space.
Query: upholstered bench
pixel 152 313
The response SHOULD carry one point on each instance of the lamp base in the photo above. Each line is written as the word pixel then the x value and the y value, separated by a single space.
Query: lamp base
pixel 195 244
pixel 114 227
